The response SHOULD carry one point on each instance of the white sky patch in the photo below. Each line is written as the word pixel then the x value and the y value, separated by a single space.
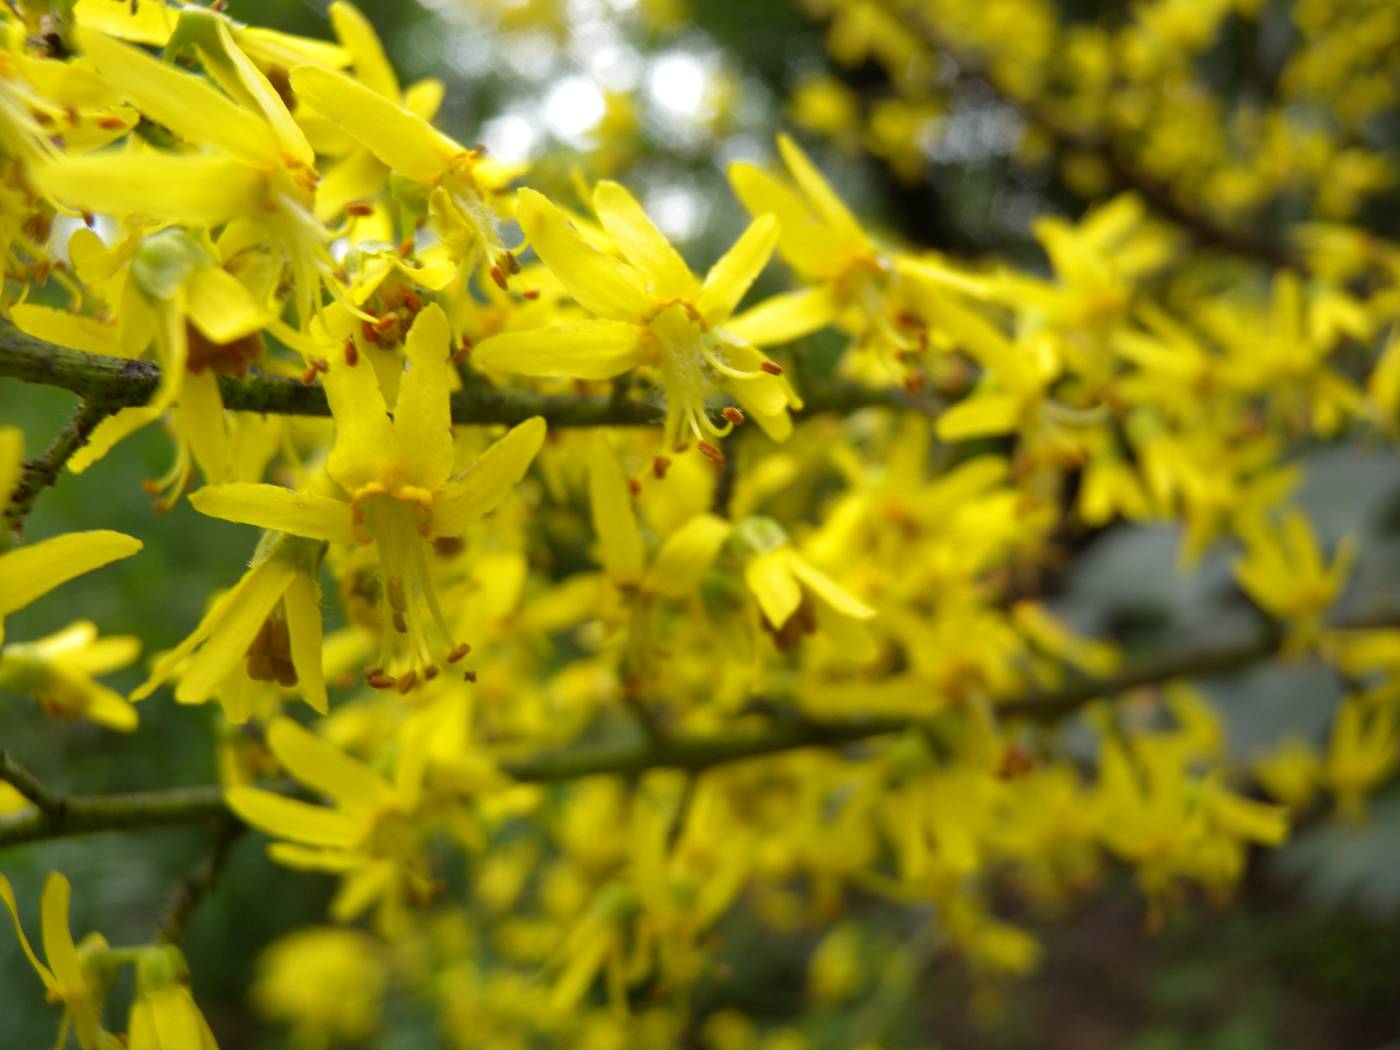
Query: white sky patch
pixel 676 212
pixel 676 83
pixel 510 137
pixel 572 108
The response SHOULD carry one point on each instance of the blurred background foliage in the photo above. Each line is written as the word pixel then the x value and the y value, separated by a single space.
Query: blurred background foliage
pixel 665 94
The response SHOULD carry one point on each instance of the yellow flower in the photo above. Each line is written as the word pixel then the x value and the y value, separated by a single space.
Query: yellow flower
pixel 1365 749
pixel 31 571
pixel 58 670
pixel 163 1014
pixel 76 975
pixel 266 628
pixel 797 598
pixel 650 310
pixel 368 835
pixel 255 164
pixel 1283 571
pixel 441 177
pixel 328 983
pixel 400 492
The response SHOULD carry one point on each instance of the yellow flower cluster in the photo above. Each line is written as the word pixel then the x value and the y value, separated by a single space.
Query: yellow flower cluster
pixel 625 683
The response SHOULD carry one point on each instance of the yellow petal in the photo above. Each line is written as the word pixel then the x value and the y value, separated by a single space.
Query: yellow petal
pixel 304 630
pixel 305 858
pixel 359 177
pixel 614 521
pixel 67 329
pixel 402 140
pixel 423 413
pixel 806 245
pixel 7 894
pixel 981 415
pixel 572 350
pixel 606 286
pixel 109 708
pixel 109 432
pixel 190 189
pixel 11 461
pixel 319 764
pixel 644 246
pixel 59 950
pixel 772 583
pixel 33 570
pixel 365 449
pixel 827 589
pixel 424 97
pixel 737 269
pixel 290 819
pixel 489 480
pixel 686 556
pixel 208 623
pixel 199 417
pixel 240 623
pixel 372 67
pixel 273 507
pixel 290 137
pixel 186 104
pixel 824 199
pixel 221 306
pixel 784 318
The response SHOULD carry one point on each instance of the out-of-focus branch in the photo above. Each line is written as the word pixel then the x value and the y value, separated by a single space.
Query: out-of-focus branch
pixel 1204 229
pixel 201 881
pixel 694 753
pixel 42 472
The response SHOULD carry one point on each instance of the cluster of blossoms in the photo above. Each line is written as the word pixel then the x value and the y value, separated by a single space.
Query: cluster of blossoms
pixel 801 611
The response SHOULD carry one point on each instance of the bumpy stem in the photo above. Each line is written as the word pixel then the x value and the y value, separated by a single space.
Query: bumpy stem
pixel 42 472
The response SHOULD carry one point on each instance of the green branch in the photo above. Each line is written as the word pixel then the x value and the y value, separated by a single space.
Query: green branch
pixel 122 383
pixel 56 816
pixel 42 472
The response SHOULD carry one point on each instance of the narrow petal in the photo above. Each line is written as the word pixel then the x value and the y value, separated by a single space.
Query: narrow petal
pixel 402 140
pixel 981 415
pixel 199 416
pixel 573 350
pixel 737 269
pixel 307 858
pixel 806 245
pixel 365 448
pixel 828 590
pixel 273 507
pixel 614 520
pixel 642 243
pixel 489 480
pixel 59 950
pixel 186 104
pixel 304 628
pixel 772 583
pixel 228 643
pixel 606 286
pixel 67 329
pixel 109 432
pixel 109 708
pixel 208 623
pixel 824 199
pixel 221 306
pixel 372 68
pixel 290 137
pixel 423 413
pixel 784 318
pixel 7 894
pixel 30 571
pixel 686 556
pixel 299 821
pixel 190 189
pixel 11 460
pixel 319 764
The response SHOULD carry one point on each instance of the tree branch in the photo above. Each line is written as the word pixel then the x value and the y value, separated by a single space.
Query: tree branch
pixel 122 383
pixel 201 881
pixel 42 472
pixel 30 786
pixel 693 753
pixel 1204 229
